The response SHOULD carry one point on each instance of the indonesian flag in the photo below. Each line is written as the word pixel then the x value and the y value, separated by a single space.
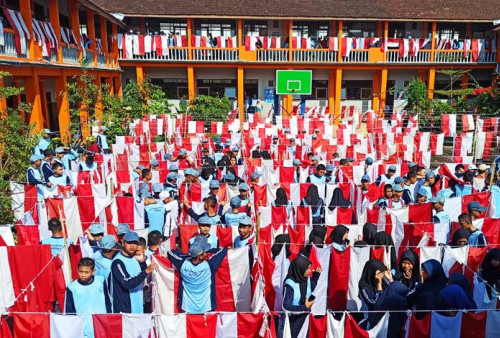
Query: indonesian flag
pixel 333 43
pixel 24 199
pixel 306 43
pixel 436 143
pixel 164 44
pixel 135 44
pixel 449 125
pixel 221 42
pixel 140 40
pixel 177 40
pixel 275 42
pixel 21 33
pixel 232 42
pixel 125 209
pixel 250 42
pixel 467 122
pixel 404 47
pixel 148 44
pixel 346 46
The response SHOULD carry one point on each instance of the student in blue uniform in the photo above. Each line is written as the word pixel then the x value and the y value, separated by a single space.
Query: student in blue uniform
pixel 155 212
pixel 316 203
pixel 397 193
pixel 245 233
pixel 171 185
pixel 386 200
pixel 204 224
pixel 43 143
pixel 233 216
pixel 137 172
pixel 59 177
pixel 209 205
pixel 87 295
pixel 65 158
pixel 104 257
pixel 197 276
pixel 387 178
pixel 88 165
pixel 440 216
pixel 121 230
pixel 475 209
pixel 95 233
pixel 476 237
pixel 319 176
pixel 102 140
pixel 57 240
pixel 214 187
pixel 35 176
pixel 128 271
pixel 47 170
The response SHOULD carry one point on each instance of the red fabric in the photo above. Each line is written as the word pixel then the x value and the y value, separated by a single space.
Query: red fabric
pixel 475 49
pixel 287 174
pixel 27 235
pixel 86 207
pixel 278 216
pixel 339 279
pixel 474 259
pixel 260 195
pixel 317 326
pixel 125 208
pixel 268 265
pixel 420 328
pixel 59 282
pixel 75 254
pixel 225 236
pixel 249 324
pixel 303 214
pixel 352 329
pixel 28 325
pixel 420 213
pixel 297 238
pixel 5 329
pixel 344 215
pixel 473 324
pixel 158 48
pixel 30 198
pixel 187 231
pixel 201 326
pixel 108 326
pixel 141 45
pixel 223 288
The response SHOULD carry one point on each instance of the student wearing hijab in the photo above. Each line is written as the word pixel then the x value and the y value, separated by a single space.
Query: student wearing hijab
pixel 459 279
pixel 282 200
pixel 460 237
pixel 383 239
pixel 279 242
pixel 317 238
pixel 316 203
pixel 338 200
pixel 339 237
pixel 298 288
pixel 432 280
pixel 490 272
pixel 408 271
pixel 369 232
pixel 455 299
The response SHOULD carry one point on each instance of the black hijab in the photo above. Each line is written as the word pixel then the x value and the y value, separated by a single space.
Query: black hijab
pixel 368 280
pixel 369 232
pixel 279 241
pixel 489 273
pixel 338 233
pixel 338 200
pixel 296 273
pixel 459 234
pixel 411 257
pixel 382 238
pixel 316 238
pixel 437 279
pixel 460 280
pixel 281 199
pixel 312 198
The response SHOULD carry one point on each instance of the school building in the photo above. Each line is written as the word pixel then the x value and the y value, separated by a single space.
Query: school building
pixel 357 50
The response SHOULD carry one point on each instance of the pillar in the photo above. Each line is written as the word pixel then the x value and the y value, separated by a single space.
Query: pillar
pixel 383 89
pixel 142 26
pixel 189 34
pixel 139 70
pixel 91 35
pixel 241 93
pixel 104 37
pixel 25 8
pixel 114 32
pixel 191 83
pixel 424 29
pixel 465 80
pixel 45 107
pixel 75 23
pixel 118 85
pixel 421 75
pixel 54 20
pixel 430 85
pixel 109 82
pixel 63 108
pixel 379 28
pixel 32 91
pixel 290 38
pixel 433 42
pixel 339 58
pixel 338 94
pixel 240 35
pixel 331 91
pixel 376 90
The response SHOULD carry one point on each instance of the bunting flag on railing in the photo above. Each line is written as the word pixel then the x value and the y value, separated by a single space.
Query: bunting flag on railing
pixel 21 33
pixel 99 47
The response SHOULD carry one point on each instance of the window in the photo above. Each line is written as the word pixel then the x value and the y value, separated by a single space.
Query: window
pixel 357 89
pixel 451 30
pixel 304 29
pixel 319 89
pixel 172 28
pixel 221 28
pixel 321 93
pixel 255 28
pixel 172 87
pixel 359 29
pixel 397 29
pixel 481 31
pixel 204 91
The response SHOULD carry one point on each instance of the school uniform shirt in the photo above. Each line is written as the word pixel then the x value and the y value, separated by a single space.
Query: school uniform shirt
pixel 213 219
pixel 87 299
pixel 102 142
pixel 85 167
pixel 43 144
pixel 60 180
pixel 238 242
pixel 66 160
pixel 233 219
pixel 383 180
pixel 47 170
pixel 127 275
pixel 197 282
pixel 441 217
pixel 316 180
pixel 477 239
pixel 213 240
pixel 155 214
pixel 56 244
pixel 102 265
pixel 397 204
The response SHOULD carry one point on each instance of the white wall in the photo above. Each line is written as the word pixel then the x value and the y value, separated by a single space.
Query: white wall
pixel 215 73
pixel 167 72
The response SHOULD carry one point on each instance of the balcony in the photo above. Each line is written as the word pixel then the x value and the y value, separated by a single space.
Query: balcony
pixel 173 54
pixel 70 55
pixel 273 55
pixel 101 60
pixel 53 55
pixel 458 56
pixel 357 55
pixel 215 54
pixel 423 56
pixel 314 55
pixel 9 47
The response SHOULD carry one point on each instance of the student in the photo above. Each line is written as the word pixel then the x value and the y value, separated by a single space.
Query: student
pixel 460 238
pixel 245 233
pixel 35 176
pixel 476 237
pixel 121 230
pixel 155 214
pixel 59 177
pixel 65 158
pixel 408 270
pixel 128 271
pixel 340 237
pixel 316 203
pixel 281 241
pixel 365 184
pixel 387 178
pixel 317 238
pixel 137 172
pixel 490 273
pixel 43 143
pixel 466 188
pixel 57 240
pixel 319 176
pixel 282 201
pixel 425 294
pixel 386 200
pixel 383 239
pixel 155 238
pixel 296 170
pixel 47 170
pixel 102 140
pixel 459 279
pixel 154 164
pixel 245 196
pixel 329 176
pixel 421 196
pixel 409 187
pixel 197 276
pixel 475 209
pixel 87 295
pixel 204 224
pixel 454 298
pixel 95 233
pixel 369 233
pixel 104 257
pixel 440 216
pixel 254 178
pixel 427 184
pixel 170 188
pixel 88 165
pixel 209 205
pixel 234 216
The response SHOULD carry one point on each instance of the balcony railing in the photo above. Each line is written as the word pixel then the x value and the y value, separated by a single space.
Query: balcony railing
pixel 9 47
pixel 273 55
pixel 70 55
pixel 314 55
pixel 215 54
pixel 101 61
pixel 357 55
pixel 173 54
pixel 423 56
pixel 53 55
pixel 458 56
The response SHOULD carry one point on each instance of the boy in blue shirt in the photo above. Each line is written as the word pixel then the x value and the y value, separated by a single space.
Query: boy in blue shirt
pixel 57 240
pixel 476 237
pixel 209 205
pixel 234 216
pixel 204 225
pixel 104 257
pixel 58 176
pixel 197 276
pixel 245 231
pixel 102 140
pixel 87 295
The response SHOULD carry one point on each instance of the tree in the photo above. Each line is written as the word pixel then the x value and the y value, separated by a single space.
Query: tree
pixel 17 139
pixel 145 98
pixel 209 108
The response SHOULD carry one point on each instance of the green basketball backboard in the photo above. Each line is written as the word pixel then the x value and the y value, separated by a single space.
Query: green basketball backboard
pixel 294 82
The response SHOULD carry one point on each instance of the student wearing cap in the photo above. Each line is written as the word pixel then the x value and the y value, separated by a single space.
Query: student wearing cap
pixel 387 178
pixel 204 224
pixel 121 230
pixel 476 237
pixel 235 153
pixel 209 204
pixel 191 176
pixel 440 215
pixel 104 256
pixel 233 216
pixel 47 170
pixel 59 177
pixel 196 293
pixel 427 184
pixel 102 140
pixel 296 170
pixel 465 188
pixel 319 176
pixel 64 157
pixel 87 295
pixel 170 188
pixel 365 184
pixel 57 240
pixel 274 147
pixel 155 212
pixel 292 148
pixel 399 181
pixel 409 187
pixel 35 176
pixel 137 172
pixel 314 163
pixel 214 187
pixel 154 164
pixel 386 200
pixel 43 142
pixel 244 197
pixel 329 176
pixel 349 162
pixel 254 178
pixel 479 182
pixel 128 271
pixel 397 194
pixel 245 233
pixel 475 209
pixel 88 164
pixel 183 159
pixel 95 233
pixel 367 165
pixel 421 196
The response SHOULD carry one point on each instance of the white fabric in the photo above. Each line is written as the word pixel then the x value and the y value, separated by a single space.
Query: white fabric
pixel 66 326
pixel 7 290
pixel 164 296
pixel 6 234
pixel 170 326
pixel 240 278
pixel 136 325
pixel 381 329
pixel 227 325
pixel 335 328
pixel 320 304
pixel 359 256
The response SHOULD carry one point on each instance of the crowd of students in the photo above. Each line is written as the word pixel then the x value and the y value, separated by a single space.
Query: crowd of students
pixel 117 278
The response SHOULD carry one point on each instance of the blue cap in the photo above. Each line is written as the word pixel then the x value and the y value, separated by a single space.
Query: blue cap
pixel 131 236
pixel 235 149
pixel 296 161
pixel 59 150
pixel 244 187
pixel 108 242
pixel 411 164
pixel 422 191
pixel 369 160
pixel 167 156
pixel 275 137
pixel 474 205
pixel 214 184
pixel 104 128
pixel 96 228
pixel 205 220
pixel 437 199
pixel 365 178
pixel 245 221
pixel 182 152
pixel 228 141
pixel 46 131
pixel 292 140
pixel 255 175
pixel 173 167
pixel 190 171
pixel 430 174
pixel 35 158
pixel 140 167
pixel 235 202
pixel 330 167
pixel 348 159
pixel 144 190
pixel 314 136
pixel 199 246
pixel 229 177
pixel 154 163
pixel 172 176
pixel 122 229
pixel 398 180
pixel 397 187
pixel 392 167
pixel 217 139
pixel 315 158
pixel 157 187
